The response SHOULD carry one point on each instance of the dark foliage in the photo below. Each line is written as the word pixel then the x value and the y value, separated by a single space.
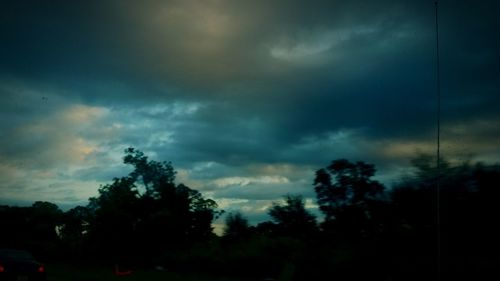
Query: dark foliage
pixel 292 219
pixel 145 213
pixel 32 228
pixel 346 195
pixel 466 226
pixel 369 232
pixel 237 226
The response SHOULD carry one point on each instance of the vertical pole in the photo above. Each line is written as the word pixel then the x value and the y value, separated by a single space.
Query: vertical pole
pixel 438 152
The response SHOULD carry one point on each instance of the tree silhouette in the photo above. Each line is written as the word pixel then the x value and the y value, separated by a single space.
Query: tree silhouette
pixel 292 218
pixel 74 231
pixel 45 216
pixel 156 177
pixel 345 192
pixel 146 213
pixel 468 208
pixel 116 212
pixel 236 226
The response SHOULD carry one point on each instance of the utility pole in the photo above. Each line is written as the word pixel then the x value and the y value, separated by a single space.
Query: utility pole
pixel 438 150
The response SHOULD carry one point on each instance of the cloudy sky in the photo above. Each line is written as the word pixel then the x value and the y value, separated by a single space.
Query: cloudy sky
pixel 246 98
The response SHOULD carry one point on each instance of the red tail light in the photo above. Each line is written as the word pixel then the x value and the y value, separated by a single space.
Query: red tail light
pixel 2 269
pixel 41 269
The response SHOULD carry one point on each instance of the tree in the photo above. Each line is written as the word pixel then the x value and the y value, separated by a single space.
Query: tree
pixel 345 193
pixel 75 223
pixel 292 218
pixel 146 212
pixel 468 200
pixel 45 217
pixel 156 177
pixel 74 231
pixel 116 211
pixel 236 226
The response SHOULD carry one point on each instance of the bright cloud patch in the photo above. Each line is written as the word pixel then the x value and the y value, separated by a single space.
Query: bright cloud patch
pixel 313 45
pixel 244 181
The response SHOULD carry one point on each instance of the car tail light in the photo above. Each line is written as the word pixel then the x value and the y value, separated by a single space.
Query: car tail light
pixel 2 269
pixel 41 269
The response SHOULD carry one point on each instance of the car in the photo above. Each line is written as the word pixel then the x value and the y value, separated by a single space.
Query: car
pixel 19 265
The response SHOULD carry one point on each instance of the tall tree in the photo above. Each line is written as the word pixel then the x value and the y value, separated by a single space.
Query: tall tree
pixel 45 217
pixel 345 191
pixel 156 177
pixel 292 218
pixel 149 211
pixel 236 226
pixel 116 212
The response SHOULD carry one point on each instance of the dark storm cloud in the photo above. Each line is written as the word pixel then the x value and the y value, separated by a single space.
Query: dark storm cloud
pixel 183 42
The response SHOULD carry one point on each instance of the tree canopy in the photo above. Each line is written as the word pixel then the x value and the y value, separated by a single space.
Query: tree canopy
pixel 344 183
pixel 292 218
pixel 145 217
pixel 236 226
pixel 163 216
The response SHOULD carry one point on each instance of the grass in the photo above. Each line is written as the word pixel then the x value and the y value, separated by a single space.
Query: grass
pixel 65 272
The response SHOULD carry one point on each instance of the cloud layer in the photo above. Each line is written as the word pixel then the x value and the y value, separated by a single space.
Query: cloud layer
pixel 246 98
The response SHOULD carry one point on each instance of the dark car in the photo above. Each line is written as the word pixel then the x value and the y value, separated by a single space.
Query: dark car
pixel 17 265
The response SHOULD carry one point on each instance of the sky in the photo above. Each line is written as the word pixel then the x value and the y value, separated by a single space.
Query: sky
pixel 247 99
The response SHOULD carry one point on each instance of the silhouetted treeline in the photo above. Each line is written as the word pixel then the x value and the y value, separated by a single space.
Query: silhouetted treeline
pixel 136 218
pixel 30 227
pixel 368 231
